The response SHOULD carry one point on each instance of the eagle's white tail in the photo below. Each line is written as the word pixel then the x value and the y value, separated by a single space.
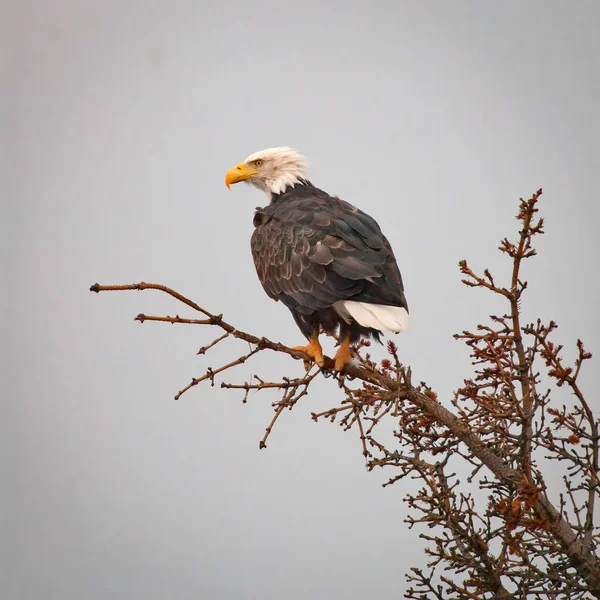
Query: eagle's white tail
pixel 377 316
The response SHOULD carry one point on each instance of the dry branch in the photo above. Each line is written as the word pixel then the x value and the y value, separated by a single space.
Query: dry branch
pixel 522 543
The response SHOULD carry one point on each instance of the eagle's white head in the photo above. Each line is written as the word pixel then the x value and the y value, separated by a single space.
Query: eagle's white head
pixel 271 170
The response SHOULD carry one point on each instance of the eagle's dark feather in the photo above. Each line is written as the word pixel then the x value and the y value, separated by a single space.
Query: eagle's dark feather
pixel 311 250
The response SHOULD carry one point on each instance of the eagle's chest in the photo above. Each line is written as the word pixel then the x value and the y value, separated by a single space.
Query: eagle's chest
pixel 265 242
pixel 261 217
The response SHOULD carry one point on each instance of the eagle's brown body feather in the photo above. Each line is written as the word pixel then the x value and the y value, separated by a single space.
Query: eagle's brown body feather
pixel 312 250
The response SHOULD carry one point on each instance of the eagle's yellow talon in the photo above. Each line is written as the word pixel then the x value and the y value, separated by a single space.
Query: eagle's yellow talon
pixel 313 350
pixel 343 356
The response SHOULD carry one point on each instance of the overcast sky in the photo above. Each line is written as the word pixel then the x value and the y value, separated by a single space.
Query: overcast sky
pixel 122 119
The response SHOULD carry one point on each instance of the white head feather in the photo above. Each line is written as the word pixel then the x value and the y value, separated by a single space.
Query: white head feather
pixel 278 168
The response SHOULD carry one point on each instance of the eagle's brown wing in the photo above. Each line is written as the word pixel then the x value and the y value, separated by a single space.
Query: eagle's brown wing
pixel 312 250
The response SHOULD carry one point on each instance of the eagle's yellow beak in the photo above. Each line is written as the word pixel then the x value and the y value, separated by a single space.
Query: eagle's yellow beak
pixel 238 173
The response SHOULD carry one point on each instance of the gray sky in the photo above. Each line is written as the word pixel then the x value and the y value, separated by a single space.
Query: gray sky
pixel 122 120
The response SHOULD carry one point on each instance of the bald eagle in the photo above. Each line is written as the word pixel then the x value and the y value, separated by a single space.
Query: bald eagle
pixel 326 260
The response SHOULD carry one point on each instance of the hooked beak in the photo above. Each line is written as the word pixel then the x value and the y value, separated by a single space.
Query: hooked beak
pixel 238 173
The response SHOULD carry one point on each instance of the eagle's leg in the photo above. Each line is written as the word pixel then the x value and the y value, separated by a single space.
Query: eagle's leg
pixel 343 355
pixel 313 349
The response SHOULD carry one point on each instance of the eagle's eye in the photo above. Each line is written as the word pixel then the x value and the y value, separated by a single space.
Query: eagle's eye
pixel 258 162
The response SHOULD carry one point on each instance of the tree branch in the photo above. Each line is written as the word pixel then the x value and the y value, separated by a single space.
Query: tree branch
pixel 496 421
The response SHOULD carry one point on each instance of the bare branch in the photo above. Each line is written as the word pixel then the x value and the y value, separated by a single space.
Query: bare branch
pixel 519 543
